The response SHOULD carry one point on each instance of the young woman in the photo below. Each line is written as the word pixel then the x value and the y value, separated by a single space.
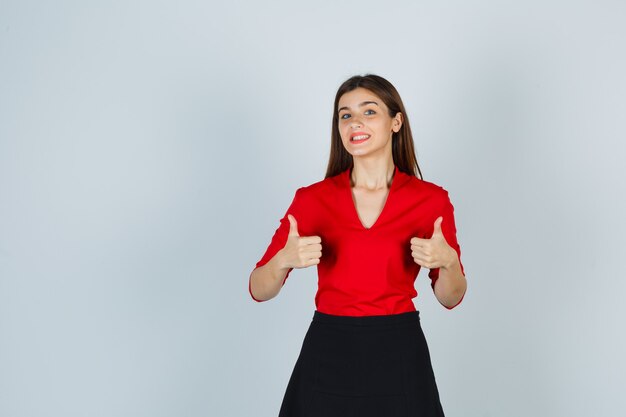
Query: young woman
pixel 364 353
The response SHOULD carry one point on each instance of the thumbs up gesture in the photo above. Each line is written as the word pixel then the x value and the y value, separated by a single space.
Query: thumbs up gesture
pixel 434 252
pixel 301 251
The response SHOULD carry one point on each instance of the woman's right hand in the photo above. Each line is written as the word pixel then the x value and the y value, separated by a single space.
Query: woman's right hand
pixel 300 251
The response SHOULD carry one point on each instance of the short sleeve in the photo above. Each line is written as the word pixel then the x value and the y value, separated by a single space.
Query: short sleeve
pixel 448 228
pixel 280 238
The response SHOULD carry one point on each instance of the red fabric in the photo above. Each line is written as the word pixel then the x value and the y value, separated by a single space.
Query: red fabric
pixel 367 271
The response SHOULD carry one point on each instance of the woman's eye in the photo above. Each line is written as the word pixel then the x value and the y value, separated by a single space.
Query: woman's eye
pixel 348 114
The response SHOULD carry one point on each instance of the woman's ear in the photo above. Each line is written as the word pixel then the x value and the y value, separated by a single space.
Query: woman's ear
pixel 397 122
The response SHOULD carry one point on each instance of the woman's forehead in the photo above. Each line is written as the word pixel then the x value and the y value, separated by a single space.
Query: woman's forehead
pixel 358 96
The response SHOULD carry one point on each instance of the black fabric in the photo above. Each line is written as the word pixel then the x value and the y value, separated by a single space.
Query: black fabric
pixel 369 366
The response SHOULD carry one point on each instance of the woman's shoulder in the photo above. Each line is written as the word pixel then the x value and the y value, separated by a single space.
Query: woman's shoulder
pixel 421 186
pixel 322 187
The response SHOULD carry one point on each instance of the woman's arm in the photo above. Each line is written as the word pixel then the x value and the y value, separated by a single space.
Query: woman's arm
pixel 267 280
pixel 451 284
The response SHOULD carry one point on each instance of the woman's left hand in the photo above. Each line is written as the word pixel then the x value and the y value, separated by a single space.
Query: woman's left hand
pixel 434 252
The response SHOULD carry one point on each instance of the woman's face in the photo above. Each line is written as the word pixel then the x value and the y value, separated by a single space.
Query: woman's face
pixel 362 113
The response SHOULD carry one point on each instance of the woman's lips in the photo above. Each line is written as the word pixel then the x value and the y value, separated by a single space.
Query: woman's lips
pixel 359 138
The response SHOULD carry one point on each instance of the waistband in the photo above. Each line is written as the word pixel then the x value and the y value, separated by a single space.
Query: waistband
pixel 407 317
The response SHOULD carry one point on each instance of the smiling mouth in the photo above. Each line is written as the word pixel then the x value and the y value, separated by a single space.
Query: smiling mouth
pixel 359 138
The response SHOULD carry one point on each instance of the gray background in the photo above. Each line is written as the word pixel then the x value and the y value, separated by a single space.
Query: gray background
pixel 148 150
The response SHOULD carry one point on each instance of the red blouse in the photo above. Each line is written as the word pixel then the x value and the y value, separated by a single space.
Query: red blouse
pixel 367 271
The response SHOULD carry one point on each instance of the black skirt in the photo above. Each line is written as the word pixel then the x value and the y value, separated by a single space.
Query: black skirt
pixel 368 366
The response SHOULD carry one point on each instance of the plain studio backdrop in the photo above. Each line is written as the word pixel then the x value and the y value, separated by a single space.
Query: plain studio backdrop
pixel 149 149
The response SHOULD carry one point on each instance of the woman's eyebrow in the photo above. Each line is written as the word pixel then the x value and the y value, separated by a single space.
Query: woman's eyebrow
pixel 360 105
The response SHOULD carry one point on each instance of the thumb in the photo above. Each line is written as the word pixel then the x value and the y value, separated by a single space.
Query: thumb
pixel 293 226
pixel 437 229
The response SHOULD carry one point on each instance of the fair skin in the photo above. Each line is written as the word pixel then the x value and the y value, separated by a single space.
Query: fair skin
pixel 361 111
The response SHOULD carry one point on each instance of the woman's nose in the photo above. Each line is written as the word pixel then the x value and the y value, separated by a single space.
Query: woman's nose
pixel 356 123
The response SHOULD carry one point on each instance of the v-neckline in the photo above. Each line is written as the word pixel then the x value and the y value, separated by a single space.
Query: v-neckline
pixel 393 185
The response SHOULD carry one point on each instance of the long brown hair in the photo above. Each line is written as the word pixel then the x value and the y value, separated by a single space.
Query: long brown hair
pixel 403 150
